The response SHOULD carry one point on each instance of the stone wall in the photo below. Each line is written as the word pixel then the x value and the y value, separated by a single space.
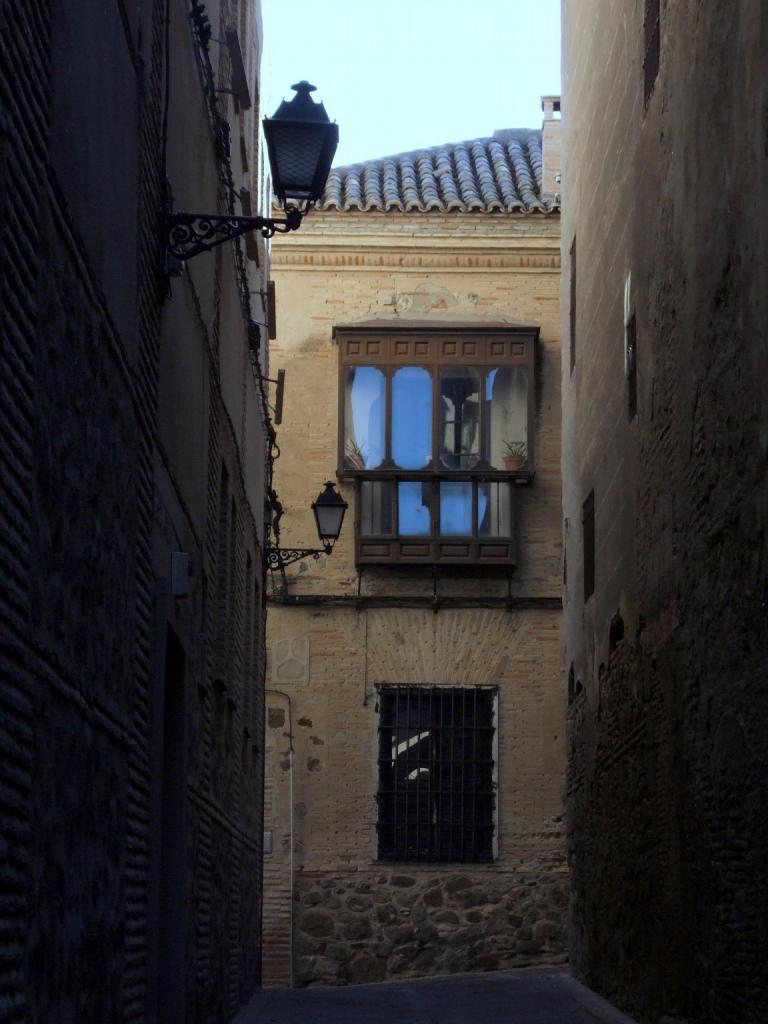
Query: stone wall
pixel 667 657
pixel 322 811
pixel 335 634
pixel 396 923
pixel 130 883
pixel 334 913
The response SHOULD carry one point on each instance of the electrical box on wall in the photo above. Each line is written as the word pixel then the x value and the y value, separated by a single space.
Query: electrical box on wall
pixel 181 573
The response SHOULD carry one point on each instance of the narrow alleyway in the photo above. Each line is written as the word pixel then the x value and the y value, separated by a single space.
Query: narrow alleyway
pixel 505 997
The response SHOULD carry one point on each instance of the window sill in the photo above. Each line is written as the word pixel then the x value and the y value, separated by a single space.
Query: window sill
pixel 435 551
pixel 517 476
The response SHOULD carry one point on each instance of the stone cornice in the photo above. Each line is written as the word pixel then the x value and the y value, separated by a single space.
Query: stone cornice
pixel 421 261
pixel 421 242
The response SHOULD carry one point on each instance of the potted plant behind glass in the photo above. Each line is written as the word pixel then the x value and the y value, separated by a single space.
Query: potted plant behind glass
pixel 354 455
pixel 515 453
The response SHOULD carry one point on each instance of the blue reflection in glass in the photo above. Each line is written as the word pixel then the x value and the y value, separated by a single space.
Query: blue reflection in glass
pixel 413 518
pixel 411 417
pixel 366 391
pixel 482 504
pixel 456 509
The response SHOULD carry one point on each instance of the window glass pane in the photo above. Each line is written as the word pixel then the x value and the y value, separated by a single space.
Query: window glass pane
pixel 375 508
pixel 412 417
pixel 364 414
pixel 413 509
pixel 459 417
pixel 494 511
pixel 456 509
pixel 506 412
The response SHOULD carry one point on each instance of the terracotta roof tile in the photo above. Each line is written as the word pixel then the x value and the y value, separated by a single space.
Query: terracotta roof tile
pixel 502 173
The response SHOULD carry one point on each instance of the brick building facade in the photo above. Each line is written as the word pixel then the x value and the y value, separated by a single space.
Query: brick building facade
pixel 134 437
pixel 395 851
pixel 664 287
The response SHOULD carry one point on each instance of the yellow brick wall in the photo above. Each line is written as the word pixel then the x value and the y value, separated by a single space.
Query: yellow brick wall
pixel 354 918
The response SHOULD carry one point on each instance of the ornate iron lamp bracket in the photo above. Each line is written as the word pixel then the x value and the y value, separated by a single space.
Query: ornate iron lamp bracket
pixel 189 234
pixel 278 558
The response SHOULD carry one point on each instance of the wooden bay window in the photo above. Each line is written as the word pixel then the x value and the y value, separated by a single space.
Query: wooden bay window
pixel 436 428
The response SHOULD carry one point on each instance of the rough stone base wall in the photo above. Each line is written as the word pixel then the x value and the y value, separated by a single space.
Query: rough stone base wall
pixel 398 923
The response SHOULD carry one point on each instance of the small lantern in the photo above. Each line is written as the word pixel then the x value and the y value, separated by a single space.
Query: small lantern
pixel 301 141
pixel 329 512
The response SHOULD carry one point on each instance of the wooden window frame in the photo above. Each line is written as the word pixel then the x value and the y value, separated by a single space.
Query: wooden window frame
pixel 432 347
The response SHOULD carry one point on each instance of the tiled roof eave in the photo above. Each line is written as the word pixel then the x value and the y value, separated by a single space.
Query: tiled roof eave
pixel 539 209
pixel 481 175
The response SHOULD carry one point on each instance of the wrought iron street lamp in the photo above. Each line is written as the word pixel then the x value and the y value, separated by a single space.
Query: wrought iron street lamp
pixel 301 142
pixel 329 509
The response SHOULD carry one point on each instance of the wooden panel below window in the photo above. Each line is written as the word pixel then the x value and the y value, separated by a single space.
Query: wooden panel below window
pixel 375 549
pixel 498 551
pixel 415 549
pixel 382 551
pixel 454 550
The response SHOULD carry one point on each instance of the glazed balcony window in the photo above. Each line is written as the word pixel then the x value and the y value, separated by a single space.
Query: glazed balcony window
pixel 435 428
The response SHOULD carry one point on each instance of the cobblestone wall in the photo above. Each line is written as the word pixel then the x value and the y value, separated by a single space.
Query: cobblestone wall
pixel 392 923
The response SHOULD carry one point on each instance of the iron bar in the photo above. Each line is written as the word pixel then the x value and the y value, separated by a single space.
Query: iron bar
pixel 436 797
pixel 278 558
pixel 189 234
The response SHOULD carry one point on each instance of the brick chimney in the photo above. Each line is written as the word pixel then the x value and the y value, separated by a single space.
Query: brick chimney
pixel 550 145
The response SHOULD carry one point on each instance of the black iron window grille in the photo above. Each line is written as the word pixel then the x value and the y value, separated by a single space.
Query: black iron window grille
pixel 437 792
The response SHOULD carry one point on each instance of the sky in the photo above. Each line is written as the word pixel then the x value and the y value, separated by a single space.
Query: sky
pixel 398 75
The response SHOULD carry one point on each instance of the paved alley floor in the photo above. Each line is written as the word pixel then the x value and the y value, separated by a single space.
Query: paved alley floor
pixel 505 997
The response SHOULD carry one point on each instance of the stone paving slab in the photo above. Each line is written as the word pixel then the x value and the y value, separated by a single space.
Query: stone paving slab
pixel 504 997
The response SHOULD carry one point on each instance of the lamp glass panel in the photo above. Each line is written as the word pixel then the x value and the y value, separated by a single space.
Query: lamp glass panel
pixel 412 417
pixel 506 413
pixel 413 508
pixel 298 149
pixel 364 417
pixel 456 508
pixel 459 417
pixel 329 519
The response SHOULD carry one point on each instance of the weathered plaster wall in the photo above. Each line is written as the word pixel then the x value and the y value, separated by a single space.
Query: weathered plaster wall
pixel 453 267
pixel 333 913
pixel 668 709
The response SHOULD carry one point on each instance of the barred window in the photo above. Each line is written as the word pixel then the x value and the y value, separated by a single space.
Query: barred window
pixel 436 773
